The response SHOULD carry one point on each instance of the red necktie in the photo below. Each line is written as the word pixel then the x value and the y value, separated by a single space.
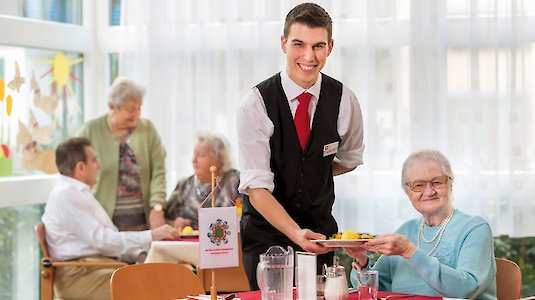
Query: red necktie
pixel 302 119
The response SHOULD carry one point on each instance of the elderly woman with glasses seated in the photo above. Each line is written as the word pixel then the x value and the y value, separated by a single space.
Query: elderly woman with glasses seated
pixel 191 192
pixel 445 252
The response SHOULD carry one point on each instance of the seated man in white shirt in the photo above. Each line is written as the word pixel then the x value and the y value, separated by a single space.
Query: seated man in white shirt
pixel 78 228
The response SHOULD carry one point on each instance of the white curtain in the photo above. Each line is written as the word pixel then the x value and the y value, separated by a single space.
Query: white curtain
pixel 457 76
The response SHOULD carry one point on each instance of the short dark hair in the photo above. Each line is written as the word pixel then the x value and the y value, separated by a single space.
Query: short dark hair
pixel 69 153
pixel 310 14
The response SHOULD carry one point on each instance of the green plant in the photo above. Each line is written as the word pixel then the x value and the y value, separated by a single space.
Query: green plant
pixel 521 251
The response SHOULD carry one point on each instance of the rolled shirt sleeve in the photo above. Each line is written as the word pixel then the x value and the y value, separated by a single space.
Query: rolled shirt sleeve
pixel 254 131
pixel 351 131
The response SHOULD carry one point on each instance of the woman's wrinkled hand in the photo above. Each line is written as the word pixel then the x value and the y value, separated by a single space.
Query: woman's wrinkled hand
pixel 358 253
pixel 355 252
pixel 156 219
pixel 391 244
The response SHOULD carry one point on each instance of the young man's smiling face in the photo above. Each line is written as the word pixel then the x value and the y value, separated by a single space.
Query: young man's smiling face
pixel 306 51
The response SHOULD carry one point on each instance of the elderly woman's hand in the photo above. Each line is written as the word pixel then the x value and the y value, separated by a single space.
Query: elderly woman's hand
pixel 180 223
pixel 391 244
pixel 355 252
pixel 358 253
pixel 156 218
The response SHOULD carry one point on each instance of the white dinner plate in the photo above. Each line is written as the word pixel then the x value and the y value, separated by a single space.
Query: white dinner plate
pixel 340 243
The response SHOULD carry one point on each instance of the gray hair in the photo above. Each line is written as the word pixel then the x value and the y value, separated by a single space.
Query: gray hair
pixel 124 89
pixel 219 149
pixel 425 155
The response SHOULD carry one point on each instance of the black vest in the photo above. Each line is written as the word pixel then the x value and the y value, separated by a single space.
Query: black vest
pixel 303 179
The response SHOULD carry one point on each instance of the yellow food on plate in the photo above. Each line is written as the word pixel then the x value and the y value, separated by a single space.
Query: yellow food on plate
pixel 366 236
pixel 187 230
pixel 336 236
pixel 350 235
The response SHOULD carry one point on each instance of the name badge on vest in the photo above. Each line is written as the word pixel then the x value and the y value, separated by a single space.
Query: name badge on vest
pixel 330 149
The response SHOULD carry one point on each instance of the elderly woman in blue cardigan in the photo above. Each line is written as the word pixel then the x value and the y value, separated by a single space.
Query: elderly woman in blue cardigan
pixel 445 252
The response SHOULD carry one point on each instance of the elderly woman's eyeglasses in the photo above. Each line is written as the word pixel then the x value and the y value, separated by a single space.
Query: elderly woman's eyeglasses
pixel 419 186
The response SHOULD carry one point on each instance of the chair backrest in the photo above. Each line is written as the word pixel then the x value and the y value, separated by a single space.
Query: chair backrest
pixel 508 280
pixel 154 281
pixel 47 273
pixel 40 232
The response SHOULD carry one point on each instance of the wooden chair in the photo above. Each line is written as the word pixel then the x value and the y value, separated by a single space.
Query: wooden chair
pixel 154 281
pixel 508 280
pixel 232 279
pixel 48 265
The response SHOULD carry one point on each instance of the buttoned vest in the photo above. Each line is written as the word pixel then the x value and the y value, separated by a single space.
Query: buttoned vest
pixel 303 178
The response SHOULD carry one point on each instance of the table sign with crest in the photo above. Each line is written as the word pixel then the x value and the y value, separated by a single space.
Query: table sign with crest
pixel 218 235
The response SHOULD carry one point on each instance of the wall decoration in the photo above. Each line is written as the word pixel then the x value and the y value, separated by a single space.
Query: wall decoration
pixel 61 72
pixel 29 137
pixel 47 103
pixel 41 105
pixel 17 80
pixel 6 108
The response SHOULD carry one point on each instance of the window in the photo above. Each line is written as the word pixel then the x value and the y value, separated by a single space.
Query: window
pixel 115 12
pixel 42 96
pixel 114 66
pixel 64 11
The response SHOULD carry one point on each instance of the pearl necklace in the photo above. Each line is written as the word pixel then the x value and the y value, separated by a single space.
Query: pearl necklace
pixel 438 235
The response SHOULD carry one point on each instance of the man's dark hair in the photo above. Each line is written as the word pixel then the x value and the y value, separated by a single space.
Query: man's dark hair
pixel 69 153
pixel 310 14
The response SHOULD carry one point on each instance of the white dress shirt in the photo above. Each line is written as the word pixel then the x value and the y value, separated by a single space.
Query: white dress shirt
pixel 77 226
pixel 255 130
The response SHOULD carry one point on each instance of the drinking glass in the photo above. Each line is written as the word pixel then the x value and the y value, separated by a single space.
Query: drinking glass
pixel 368 283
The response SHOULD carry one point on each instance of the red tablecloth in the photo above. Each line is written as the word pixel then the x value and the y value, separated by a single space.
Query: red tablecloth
pixel 255 295
pixel 189 238
pixel 185 238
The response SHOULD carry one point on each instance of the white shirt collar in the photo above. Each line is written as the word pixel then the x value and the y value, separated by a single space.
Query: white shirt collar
pixel 74 183
pixel 292 89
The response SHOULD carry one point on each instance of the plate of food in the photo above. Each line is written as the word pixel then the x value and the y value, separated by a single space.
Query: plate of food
pixel 188 231
pixel 347 239
pixel 340 243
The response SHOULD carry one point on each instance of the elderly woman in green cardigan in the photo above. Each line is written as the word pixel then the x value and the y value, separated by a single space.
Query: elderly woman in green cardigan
pixel 131 181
